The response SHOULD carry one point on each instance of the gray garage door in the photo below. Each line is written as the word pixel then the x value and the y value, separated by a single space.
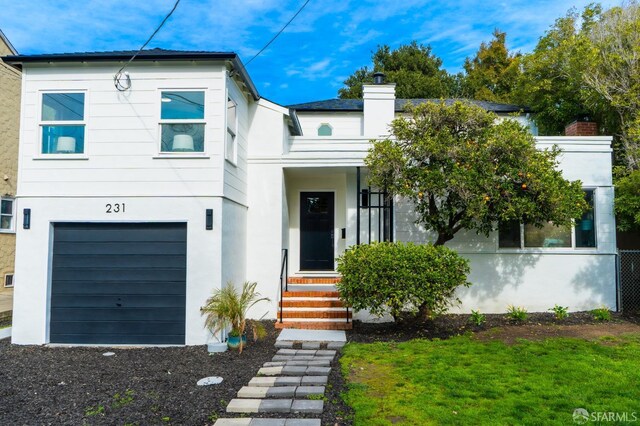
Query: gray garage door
pixel 119 283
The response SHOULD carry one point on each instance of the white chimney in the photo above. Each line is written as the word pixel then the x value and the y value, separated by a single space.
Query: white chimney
pixel 379 106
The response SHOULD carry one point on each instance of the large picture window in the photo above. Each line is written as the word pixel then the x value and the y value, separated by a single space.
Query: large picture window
pixel 581 235
pixel 63 123
pixel 182 121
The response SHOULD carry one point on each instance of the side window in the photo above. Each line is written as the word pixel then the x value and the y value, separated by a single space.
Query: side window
pixel 516 235
pixel 231 144
pixel 586 225
pixel 325 130
pixel 182 121
pixel 7 215
pixel 62 123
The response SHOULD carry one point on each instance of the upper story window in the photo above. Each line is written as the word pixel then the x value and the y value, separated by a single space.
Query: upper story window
pixel 6 214
pixel 63 123
pixel 182 121
pixel 231 148
pixel 583 234
pixel 325 130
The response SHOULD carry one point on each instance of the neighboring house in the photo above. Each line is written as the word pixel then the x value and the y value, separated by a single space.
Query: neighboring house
pixel 134 204
pixel 9 129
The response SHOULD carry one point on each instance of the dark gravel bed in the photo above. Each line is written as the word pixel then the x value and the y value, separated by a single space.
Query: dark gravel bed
pixel 42 385
pixel 449 325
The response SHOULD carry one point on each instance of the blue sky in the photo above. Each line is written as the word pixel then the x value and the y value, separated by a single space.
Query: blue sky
pixel 310 60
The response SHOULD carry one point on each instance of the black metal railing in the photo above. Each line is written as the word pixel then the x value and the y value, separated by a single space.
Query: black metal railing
pixel 284 277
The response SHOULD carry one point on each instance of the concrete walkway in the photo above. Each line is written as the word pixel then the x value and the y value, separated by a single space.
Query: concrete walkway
pixel 292 383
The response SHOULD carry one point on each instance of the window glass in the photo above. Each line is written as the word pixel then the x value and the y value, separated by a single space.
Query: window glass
pixel 325 130
pixel 187 137
pixel 509 234
pixel 547 236
pixel 586 225
pixel 63 107
pixel 182 105
pixel 62 139
pixel 6 214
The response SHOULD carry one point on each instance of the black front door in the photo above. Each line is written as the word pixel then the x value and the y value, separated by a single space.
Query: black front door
pixel 316 231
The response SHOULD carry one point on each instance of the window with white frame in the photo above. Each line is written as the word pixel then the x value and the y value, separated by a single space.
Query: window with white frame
pixel 8 280
pixel 182 121
pixel 231 145
pixel 325 130
pixel 62 123
pixel 6 214
pixel 581 235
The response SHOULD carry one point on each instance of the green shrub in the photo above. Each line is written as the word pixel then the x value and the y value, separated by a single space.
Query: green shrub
pixel 401 277
pixel 517 313
pixel 560 312
pixel 601 314
pixel 477 318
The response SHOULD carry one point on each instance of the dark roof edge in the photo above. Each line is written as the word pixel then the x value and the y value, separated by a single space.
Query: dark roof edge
pixel 8 43
pixel 18 60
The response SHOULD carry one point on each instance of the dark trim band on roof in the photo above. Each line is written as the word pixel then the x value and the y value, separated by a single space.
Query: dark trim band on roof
pixel 336 105
pixel 145 55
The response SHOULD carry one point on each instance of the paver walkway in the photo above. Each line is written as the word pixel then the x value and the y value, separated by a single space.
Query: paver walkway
pixel 292 383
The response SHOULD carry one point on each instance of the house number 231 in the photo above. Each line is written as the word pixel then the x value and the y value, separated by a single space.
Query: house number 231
pixel 115 208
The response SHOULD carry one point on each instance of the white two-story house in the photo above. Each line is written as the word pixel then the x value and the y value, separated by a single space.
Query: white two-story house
pixel 141 192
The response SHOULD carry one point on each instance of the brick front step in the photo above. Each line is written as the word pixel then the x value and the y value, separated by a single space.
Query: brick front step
pixel 333 294
pixel 312 304
pixel 315 314
pixel 313 280
pixel 316 325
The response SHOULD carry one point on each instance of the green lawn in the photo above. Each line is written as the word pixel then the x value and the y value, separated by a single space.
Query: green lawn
pixel 465 381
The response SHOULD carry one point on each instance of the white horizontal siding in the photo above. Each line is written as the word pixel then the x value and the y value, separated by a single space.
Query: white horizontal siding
pixel 122 132
pixel 343 123
pixel 235 175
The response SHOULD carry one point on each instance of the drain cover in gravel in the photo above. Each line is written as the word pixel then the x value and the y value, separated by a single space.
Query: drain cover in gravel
pixel 207 381
pixel 109 354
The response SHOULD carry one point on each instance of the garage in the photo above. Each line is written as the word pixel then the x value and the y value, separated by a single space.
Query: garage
pixel 118 283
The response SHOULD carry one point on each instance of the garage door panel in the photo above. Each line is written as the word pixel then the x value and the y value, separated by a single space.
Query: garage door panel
pixel 121 339
pixel 117 327
pixel 119 288
pixel 116 301
pixel 123 314
pixel 122 248
pixel 138 274
pixel 130 233
pixel 118 283
pixel 122 260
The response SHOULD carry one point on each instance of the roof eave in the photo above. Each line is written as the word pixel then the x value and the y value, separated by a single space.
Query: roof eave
pixel 18 61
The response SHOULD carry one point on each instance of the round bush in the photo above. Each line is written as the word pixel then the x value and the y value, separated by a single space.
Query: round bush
pixel 400 277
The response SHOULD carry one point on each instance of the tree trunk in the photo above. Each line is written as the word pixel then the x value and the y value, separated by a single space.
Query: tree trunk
pixel 442 238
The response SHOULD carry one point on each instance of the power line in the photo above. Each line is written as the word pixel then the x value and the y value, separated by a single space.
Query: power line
pixel 278 33
pixel 118 76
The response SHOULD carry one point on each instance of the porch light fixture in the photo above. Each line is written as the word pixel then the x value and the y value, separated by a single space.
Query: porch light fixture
pixel 209 219
pixel 26 218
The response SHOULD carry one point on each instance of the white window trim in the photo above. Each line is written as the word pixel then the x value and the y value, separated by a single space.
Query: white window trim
pixel 59 156
pixel 560 250
pixel 234 158
pixel 185 155
pixel 11 230
pixel 12 280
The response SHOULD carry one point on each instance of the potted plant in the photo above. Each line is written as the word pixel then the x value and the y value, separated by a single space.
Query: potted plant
pixel 227 308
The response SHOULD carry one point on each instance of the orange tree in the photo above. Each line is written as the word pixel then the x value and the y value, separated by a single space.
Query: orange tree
pixel 464 168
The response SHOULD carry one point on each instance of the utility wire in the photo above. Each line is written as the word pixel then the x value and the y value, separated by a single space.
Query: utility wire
pixel 278 33
pixel 118 75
